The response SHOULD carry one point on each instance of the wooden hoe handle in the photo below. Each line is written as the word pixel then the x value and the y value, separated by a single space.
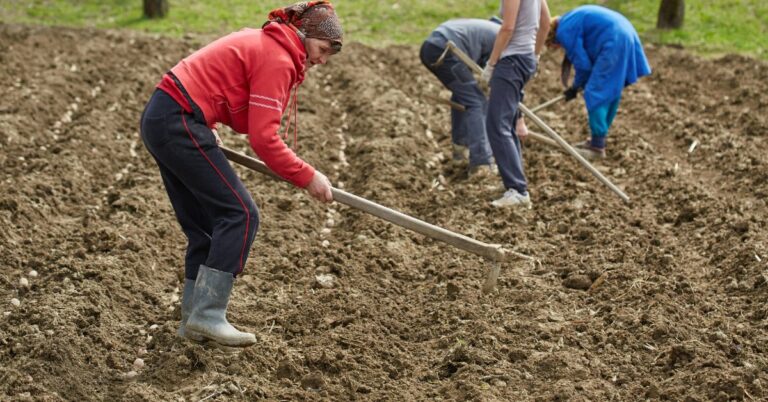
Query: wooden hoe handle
pixel 493 252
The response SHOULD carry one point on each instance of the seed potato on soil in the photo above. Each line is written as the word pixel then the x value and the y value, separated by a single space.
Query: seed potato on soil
pixel 664 298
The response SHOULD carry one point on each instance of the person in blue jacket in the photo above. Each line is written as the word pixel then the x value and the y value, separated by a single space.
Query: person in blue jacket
pixel 607 55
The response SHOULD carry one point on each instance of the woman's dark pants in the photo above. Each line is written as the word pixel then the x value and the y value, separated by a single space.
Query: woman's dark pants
pixel 214 209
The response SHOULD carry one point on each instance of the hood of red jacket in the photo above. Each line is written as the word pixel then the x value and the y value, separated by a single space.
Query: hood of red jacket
pixel 290 41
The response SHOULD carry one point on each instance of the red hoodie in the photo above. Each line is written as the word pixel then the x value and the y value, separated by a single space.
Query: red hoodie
pixel 244 80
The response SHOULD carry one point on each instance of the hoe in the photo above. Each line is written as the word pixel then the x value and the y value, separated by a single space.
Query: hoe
pixel 493 252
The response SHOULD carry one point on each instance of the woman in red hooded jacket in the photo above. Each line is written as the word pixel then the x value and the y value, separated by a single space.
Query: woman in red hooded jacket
pixel 243 80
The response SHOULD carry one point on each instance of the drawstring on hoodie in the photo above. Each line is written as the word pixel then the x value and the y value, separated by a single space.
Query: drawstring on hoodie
pixel 293 109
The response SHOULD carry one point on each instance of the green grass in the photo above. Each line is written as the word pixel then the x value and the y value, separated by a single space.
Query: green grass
pixel 711 26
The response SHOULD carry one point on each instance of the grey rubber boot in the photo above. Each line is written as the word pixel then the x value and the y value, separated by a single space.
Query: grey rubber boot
pixel 209 315
pixel 187 303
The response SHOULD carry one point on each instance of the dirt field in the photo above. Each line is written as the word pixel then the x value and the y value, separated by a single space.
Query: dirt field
pixel 678 312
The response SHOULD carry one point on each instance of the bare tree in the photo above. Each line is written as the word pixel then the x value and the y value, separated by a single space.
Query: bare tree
pixel 671 14
pixel 155 8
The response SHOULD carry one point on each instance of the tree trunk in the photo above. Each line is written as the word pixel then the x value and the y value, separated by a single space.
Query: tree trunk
pixel 671 14
pixel 155 8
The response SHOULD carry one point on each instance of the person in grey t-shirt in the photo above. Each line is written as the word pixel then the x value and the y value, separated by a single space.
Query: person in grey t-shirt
pixel 474 37
pixel 512 63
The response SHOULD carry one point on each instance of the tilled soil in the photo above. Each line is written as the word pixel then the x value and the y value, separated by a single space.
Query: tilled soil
pixel 660 299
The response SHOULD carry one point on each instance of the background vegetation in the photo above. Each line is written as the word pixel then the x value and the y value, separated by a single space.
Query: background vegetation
pixel 711 26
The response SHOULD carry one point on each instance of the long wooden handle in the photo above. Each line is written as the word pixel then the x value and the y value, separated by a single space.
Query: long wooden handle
pixel 463 57
pixel 491 251
pixel 542 138
pixel 547 103
pixel 573 152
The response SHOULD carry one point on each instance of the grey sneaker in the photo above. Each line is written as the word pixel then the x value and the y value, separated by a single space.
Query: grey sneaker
pixel 460 152
pixel 512 198
pixel 588 151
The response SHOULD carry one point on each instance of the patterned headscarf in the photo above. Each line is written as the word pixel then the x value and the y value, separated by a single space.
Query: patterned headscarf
pixel 312 19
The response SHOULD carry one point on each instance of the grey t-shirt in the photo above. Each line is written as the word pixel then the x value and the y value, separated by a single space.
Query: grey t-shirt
pixel 527 25
pixel 473 36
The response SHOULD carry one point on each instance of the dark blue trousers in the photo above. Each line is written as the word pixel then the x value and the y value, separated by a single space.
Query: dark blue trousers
pixel 214 209
pixel 468 127
pixel 507 83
